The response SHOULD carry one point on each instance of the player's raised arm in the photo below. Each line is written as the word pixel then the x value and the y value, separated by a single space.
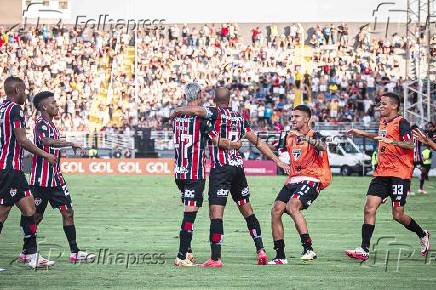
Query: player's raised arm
pixel 264 148
pixel 361 133
pixel 315 141
pixel 421 137
pixel 190 111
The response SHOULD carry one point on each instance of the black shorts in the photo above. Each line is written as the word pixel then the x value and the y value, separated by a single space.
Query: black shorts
pixel 59 197
pixel 191 191
pixel 394 187
pixel 228 179
pixel 13 186
pixel 306 192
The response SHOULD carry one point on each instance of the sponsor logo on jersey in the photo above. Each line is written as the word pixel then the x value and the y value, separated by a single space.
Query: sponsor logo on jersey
pixel 222 192
pixel 189 193
pixel 180 170
pixel 245 191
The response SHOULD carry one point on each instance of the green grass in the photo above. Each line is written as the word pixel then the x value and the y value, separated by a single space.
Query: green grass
pixel 143 214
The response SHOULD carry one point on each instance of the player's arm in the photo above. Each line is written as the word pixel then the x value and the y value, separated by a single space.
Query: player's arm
pixel 58 143
pixel 190 111
pixel 264 148
pixel 405 142
pixel 421 137
pixel 316 142
pixel 361 133
pixel 226 144
pixel 20 134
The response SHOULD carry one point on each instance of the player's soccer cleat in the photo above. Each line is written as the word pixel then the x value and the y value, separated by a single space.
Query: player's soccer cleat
pixel 262 258
pixel 190 257
pixel 278 262
pixel 212 264
pixel 23 258
pixel 183 263
pixel 308 255
pixel 358 254
pixel 425 243
pixel 38 261
pixel 81 257
pixel 422 191
pixel 1 269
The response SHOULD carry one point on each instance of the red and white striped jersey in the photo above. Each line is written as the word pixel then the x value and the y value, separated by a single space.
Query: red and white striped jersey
pixel 11 153
pixel 43 173
pixel 190 137
pixel 229 125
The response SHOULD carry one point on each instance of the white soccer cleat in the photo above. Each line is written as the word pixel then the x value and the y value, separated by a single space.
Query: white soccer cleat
pixel 183 263
pixel 422 191
pixel 190 257
pixel 278 262
pixel 1 269
pixel 425 243
pixel 308 255
pixel 37 261
pixel 81 257
pixel 358 254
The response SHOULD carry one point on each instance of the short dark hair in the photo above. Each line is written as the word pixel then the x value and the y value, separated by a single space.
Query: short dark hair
pixel 10 84
pixel 394 97
pixel 303 108
pixel 41 96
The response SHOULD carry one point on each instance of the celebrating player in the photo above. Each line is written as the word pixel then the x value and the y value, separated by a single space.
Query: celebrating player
pixel 190 137
pixel 14 188
pixel 46 180
pixel 227 173
pixel 392 176
pixel 309 173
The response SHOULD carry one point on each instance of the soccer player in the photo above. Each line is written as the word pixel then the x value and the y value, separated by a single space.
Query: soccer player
pixel 190 139
pixel 418 134
pixel 46 180
pixel 14 188
pixel 309 173
pixel 427 155
pixel 227 173
pixel 392 176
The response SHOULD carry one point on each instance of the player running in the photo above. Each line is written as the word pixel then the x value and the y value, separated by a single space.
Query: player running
pixel 46 180
pixel 190 139
pixel 227 173
pixel 14 188
pixel 309 173
pixel 392 176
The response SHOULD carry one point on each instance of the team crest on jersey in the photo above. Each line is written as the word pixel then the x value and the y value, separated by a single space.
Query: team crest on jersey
pixel 296 153
pixel 13 192
pixel 383 133
pixel 44 127
pixel 38 201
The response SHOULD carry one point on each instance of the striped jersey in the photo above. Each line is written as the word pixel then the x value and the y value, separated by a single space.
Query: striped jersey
pixel 43 173
pixel 11 153
pixel 190 139
pixel 229 125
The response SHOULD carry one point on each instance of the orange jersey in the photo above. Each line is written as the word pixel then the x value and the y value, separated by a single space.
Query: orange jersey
pixel 306 160
pixel 394 161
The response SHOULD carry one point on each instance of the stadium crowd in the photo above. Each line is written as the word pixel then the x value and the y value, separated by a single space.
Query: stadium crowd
pixel 338 75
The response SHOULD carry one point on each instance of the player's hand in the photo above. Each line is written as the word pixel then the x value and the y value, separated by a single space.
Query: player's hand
pixel 384 140
pixel 355 132
pixel 420 136
pixel 236 144
pixel 295 133
pixel 284 166
pixel 50 158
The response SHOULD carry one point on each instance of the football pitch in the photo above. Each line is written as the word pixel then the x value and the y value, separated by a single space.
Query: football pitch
pixel 132 223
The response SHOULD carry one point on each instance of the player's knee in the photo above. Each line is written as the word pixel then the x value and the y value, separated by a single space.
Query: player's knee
pixel 369 210
pixel 292 209
pixel 29 210
pixel 68 214
pixel 276 211
pixel 397 216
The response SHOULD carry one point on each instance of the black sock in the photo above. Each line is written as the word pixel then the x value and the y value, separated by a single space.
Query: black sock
pixel 28 226
pixel 216 238
pixel 421 183
pixel 414 227
pixel 1 227
pixel 70 232
pixel 185 235
pixel 279 247
pixel 255 232
pixel 306 242
pixel 367 231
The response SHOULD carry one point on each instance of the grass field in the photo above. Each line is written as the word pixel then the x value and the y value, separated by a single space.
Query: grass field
pixel 142 215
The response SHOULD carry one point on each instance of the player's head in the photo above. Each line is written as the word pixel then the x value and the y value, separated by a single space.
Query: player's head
pixel 222 96
pixel 193 93
pixel 15 89
pixel 389 104
pixel 45 102
pixel 300 117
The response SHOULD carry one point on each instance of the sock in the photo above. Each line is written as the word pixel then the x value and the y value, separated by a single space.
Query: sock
pixel 421 183
pixel 306 242
pixel 216 238
pixel 1 227
pixel 255 232
pixel 185 236
pixel 279 247
pixel 414 227
pixel 367 231
pixel 28 227
pixel 70 232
